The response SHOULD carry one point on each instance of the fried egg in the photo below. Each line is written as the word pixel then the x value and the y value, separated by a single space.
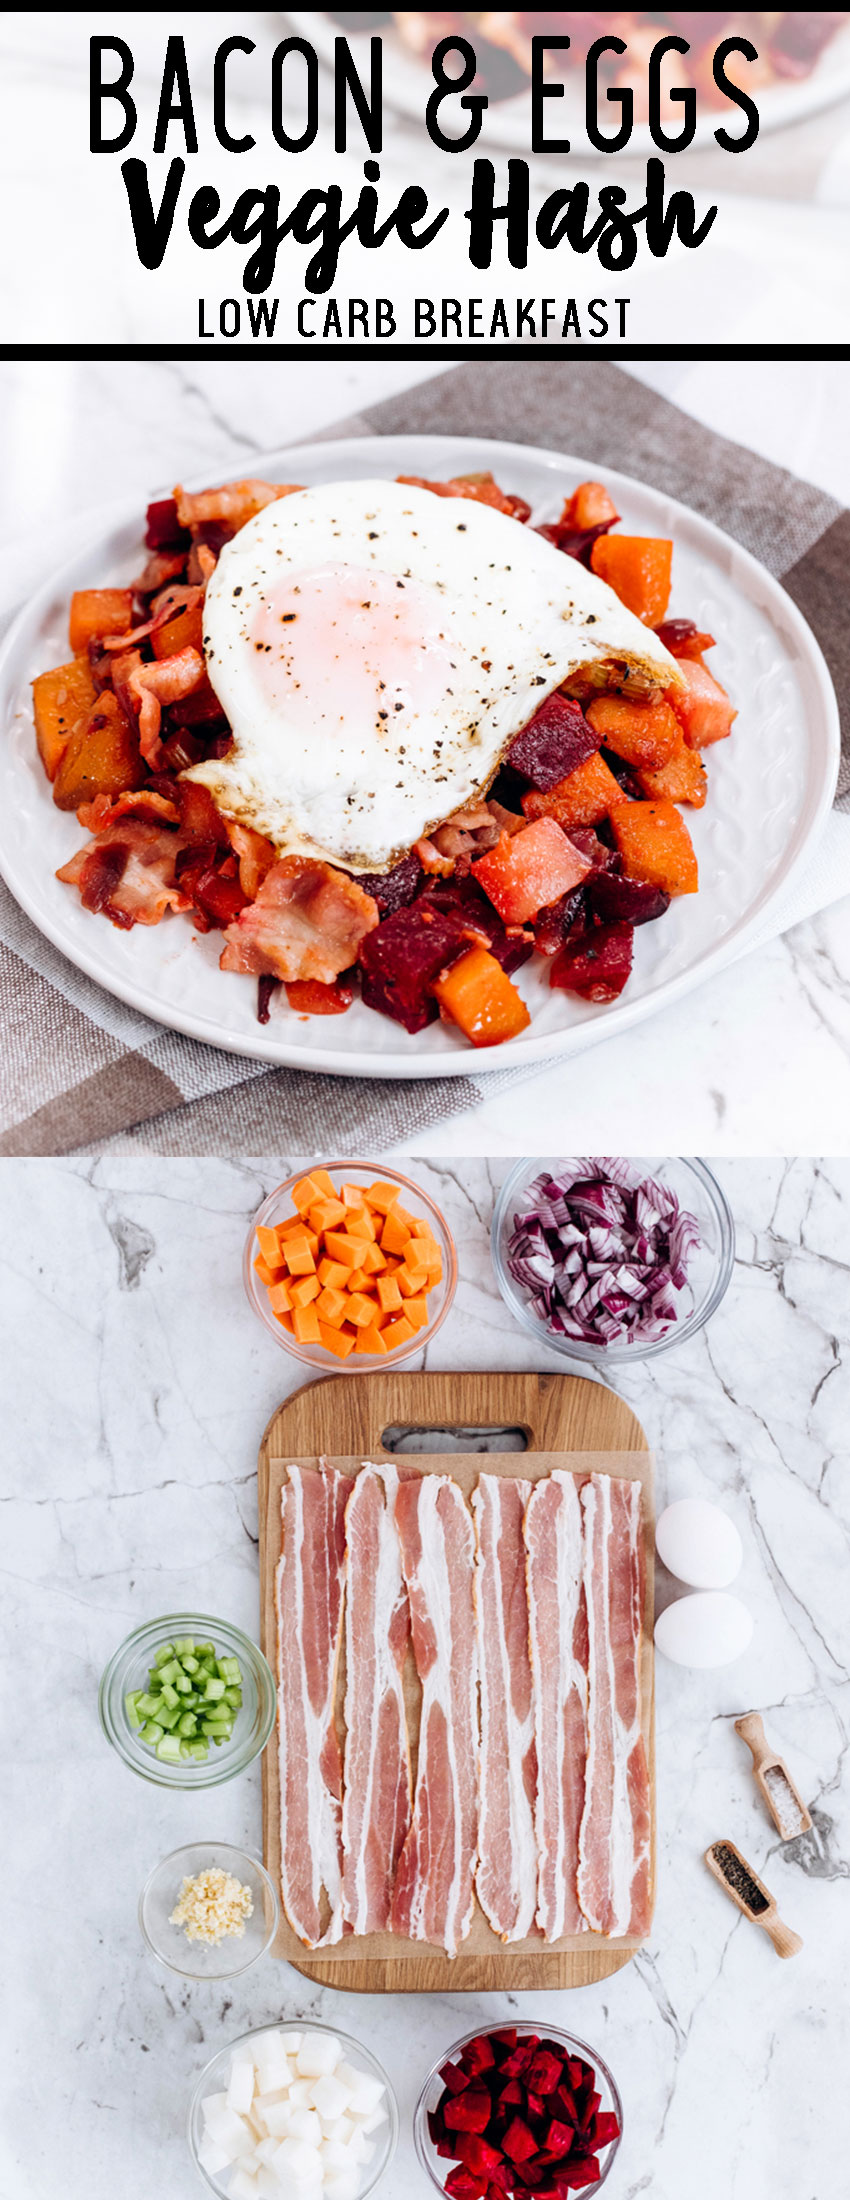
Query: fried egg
pixel 375 649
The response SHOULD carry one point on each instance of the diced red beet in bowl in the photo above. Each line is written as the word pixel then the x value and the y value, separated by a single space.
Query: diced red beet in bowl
pixel 518 2114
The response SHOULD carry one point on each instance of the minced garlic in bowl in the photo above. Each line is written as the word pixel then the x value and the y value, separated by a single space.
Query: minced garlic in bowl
pixel 213 1907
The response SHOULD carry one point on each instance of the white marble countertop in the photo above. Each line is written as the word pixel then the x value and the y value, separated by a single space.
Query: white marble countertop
pixel 136 1387
pixel 758 1059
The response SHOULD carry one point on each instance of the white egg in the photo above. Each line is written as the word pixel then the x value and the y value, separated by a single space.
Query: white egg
pixel 709 1628
pixel 376 647
pixel 699 1543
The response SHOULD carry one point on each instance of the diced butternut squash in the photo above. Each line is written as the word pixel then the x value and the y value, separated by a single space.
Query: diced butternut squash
pixel 397 1333
pixel 353 1195
pixel 96 612
pixel 641 733
pixel 589 793
pixel 331 1306
pixel 267 1275
pixel 382 1197
pixel 279 1298
pixel 703 706
pixel 184 631
pixel 394 1234
pixel 370 1340
pixel 305 1325
pixel 373 1260
pixel 682 779
pixel 268 1244
pixel 62 703
pixel 299 1259
pixel 285 1321
pixel 359 1280
pixel 589 506
pixel 416 1311
pixel 304 1193
pixel 102 757
pixel 326 1214
pixel 303 1290
pixel 656 846
pixel 339 1341
pixel 389 1295
pixel 361 1224
pixel 333 1273
pixel 639 569
pixel 478 996
pixel 359 1310
pixel 347 1250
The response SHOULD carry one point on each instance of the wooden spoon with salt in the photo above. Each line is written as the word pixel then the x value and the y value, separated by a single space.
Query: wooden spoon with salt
pixel 773 1779
pixel 737 1877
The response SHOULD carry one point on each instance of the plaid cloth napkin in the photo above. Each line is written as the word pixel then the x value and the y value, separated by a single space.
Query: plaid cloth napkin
pixel 81 1071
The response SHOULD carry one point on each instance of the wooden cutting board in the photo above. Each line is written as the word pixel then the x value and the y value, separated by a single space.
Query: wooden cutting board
pixel 344 1418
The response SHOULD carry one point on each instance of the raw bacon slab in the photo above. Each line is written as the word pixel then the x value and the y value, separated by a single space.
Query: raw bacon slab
pixel 309 1600
pixel 558 1637
pixel 433 1897
pixel 614 1872
pixel 377 1797
pixel 506 1879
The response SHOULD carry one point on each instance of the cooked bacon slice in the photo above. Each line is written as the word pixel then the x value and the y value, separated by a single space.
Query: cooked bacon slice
pixel 256 854
pixel 377 1795
pixel 433 1897
pixel 163 607
pixel 104 809
pixel 479 488
pixel 235 501
pixel 307 922
pixel 163 682
pixel 128 873
pixel 506 1879
pixel 162 566
pixel 553 1540
pixel 470 832
pixel 309 1602
pixel 614 1873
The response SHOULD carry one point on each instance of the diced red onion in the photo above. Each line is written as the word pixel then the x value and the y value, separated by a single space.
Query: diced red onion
pixel 602 1256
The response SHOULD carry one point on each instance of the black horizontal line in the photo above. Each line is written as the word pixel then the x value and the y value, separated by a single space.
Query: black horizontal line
pixel 315 350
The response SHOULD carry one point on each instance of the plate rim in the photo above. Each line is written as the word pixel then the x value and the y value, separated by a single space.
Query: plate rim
pixel 471 1063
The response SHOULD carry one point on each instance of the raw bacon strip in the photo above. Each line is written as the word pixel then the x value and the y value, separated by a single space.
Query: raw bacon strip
pixel 309 1598
pixel 506 1880
pixel 558 1639
pixel 377 1797
pixel 614 1843
pixel 433 1897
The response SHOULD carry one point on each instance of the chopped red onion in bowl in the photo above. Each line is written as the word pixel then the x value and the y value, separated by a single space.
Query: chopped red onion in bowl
pixel 600 1255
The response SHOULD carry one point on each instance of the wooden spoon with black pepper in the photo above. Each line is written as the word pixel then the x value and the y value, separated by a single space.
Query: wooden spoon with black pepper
pixel 738 1879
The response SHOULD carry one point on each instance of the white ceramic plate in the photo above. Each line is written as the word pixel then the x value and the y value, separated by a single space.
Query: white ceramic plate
pixel 770 789
pixel 408 82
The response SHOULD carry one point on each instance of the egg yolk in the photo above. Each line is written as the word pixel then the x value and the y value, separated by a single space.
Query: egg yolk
pixel 353 652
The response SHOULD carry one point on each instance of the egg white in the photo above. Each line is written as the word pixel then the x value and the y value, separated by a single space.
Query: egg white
pixel 400 707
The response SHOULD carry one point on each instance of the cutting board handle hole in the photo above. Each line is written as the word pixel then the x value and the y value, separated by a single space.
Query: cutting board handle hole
pixel 400 1438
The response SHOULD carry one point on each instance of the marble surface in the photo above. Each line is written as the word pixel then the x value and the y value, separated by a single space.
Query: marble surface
pixel 136 1386
pixel 756 1060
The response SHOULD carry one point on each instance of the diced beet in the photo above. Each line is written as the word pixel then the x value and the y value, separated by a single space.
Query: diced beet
pixel 476 2152
pixel 576 542
pixel 463 2184
pixel 544 2072
pixel 683 638
pixel 579 2071
pixel 605 2128
pixel 511 2095
pixel 563 2101
pixel 218 898
pixel 595 965
pixel 478 2055
pixel 519 2142
pixel 624 900
pixel 502 2176
pixel 554 925
pixel 553 744
pixel 462 899
pixel 163 530
pixel 559 2137
pixel 469 2111
pixel 517 2063
pixel 393 889
pixel 400 960
pixel 505 2037
pixel 454 2076
pixel 266 990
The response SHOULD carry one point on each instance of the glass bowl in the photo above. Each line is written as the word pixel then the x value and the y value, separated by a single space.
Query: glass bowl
pixel 128 1669
pixel 278 1208
pixel 213 2079
pixel 438 2166
pixel 709 1267
pixel 197 1958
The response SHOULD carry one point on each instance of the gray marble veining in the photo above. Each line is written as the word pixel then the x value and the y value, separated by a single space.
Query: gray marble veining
pixel 136 1385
